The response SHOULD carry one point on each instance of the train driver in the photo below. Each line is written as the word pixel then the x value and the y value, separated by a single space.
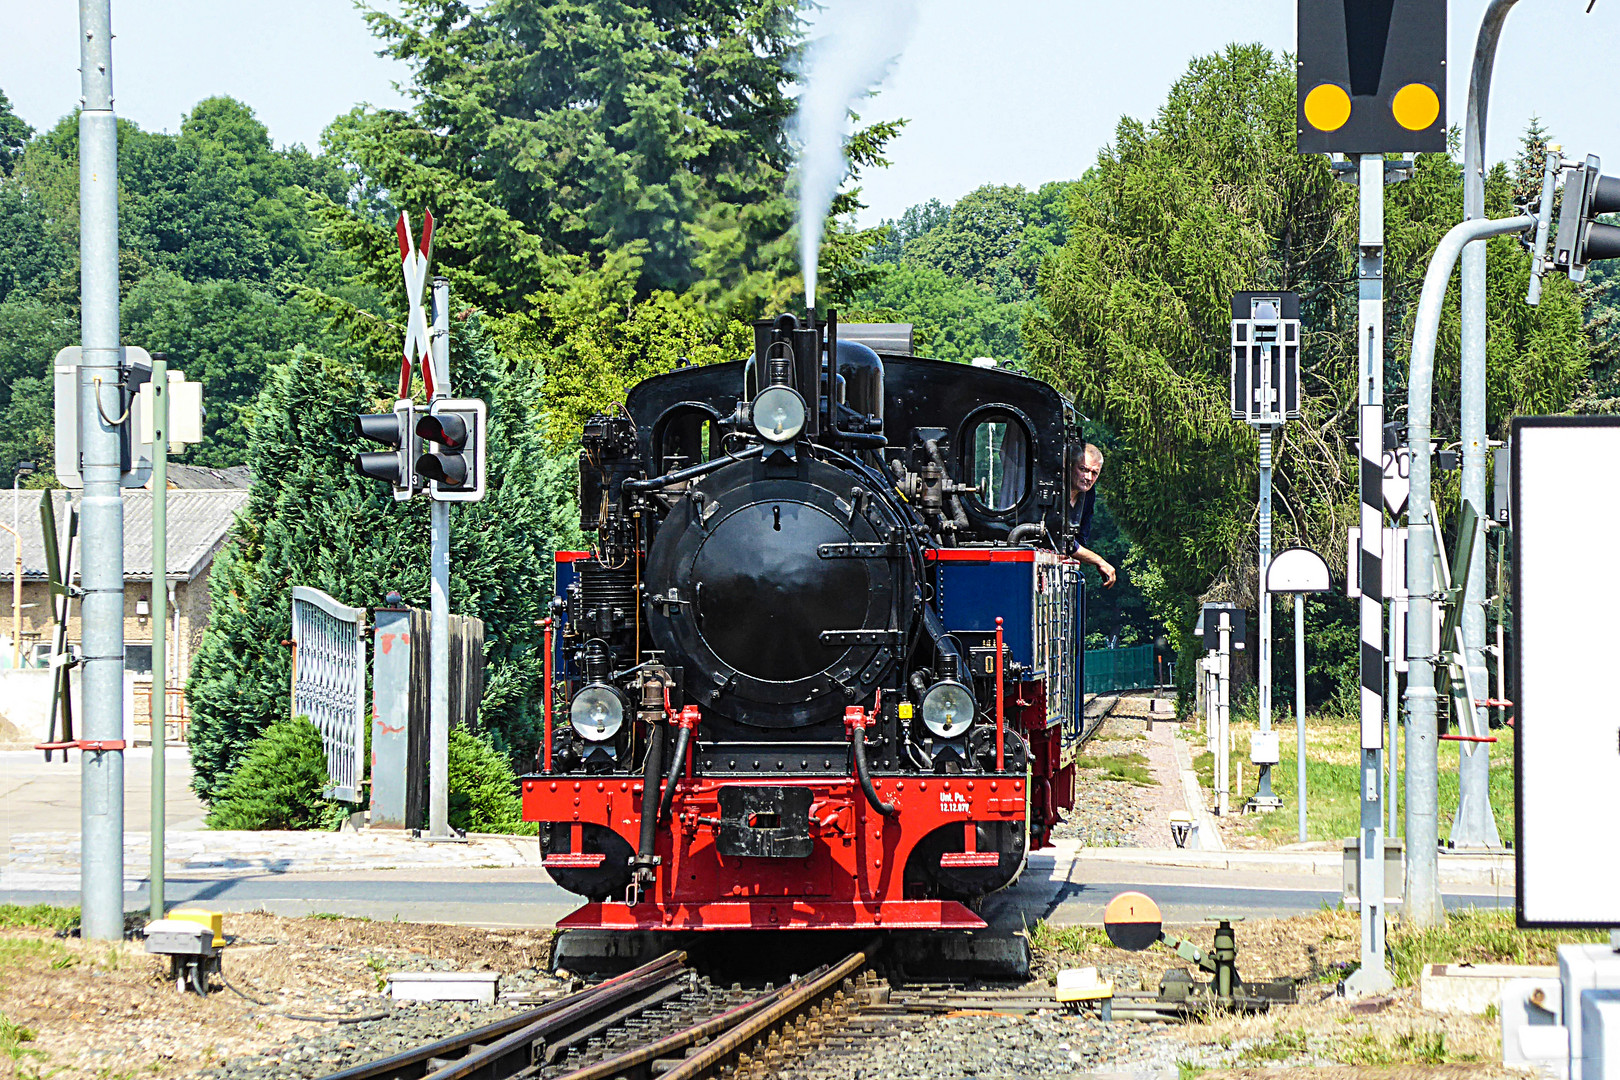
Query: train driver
pixel 1084 470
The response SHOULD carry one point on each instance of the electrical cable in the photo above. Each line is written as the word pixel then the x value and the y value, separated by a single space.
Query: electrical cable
pixel 104 418
pixel 352 1018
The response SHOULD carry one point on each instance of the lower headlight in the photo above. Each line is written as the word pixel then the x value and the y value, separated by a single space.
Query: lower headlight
pixel 597 712
pixel 947 708
pixel 778 414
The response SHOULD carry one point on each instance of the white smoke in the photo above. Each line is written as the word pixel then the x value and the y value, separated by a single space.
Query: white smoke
pixel 852 46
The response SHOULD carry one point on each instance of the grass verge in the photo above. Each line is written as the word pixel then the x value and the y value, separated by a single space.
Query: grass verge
pixel 14 1040
pixel 1047 939
pixel 38 917
pixel 1130 767
pixel 1405 1048
pixel 1332 772
pixel 1476 937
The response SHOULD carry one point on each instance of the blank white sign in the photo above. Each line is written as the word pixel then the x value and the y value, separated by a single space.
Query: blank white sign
pixel 1566 520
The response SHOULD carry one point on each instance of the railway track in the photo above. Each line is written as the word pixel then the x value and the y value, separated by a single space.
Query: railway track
pixel 1094 713
pixel 662 1019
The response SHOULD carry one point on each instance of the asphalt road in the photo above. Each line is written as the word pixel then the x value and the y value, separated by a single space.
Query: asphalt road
pixel 525 897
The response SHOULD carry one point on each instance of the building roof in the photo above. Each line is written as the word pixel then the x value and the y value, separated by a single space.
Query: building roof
pixel 200 477
pixel 198 523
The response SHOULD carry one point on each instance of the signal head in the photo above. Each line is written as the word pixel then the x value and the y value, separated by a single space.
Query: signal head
pixel 393 430
pixel 1581 239
pixel 455 464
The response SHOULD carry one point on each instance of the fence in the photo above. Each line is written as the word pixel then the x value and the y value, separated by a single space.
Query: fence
pixel 1108 670
pixel 329 682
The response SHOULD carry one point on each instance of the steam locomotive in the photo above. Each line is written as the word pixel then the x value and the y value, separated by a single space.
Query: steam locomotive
pixel 821 659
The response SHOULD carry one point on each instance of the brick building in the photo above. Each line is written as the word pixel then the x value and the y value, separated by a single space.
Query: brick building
pixel 199 523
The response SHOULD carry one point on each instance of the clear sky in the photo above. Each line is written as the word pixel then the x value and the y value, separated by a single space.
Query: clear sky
pixel 1011 91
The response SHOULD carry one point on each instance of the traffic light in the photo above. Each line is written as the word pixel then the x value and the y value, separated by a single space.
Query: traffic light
pixel 397 430
pixel 1371 76
pixel 455 465
pixel 1580 239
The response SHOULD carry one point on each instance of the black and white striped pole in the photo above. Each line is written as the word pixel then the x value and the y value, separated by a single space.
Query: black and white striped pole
pixel 1372 977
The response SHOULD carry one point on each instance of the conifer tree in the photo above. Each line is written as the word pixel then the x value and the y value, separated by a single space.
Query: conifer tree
pixel 310 520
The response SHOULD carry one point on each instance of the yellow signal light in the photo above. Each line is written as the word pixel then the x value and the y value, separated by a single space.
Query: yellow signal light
pixel 1416 107
pixel 1327 107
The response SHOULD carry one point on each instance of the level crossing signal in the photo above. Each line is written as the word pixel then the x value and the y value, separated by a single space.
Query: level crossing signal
pixel 454 466
pixel 1371 76
pixel 1581 239
pixel 396 465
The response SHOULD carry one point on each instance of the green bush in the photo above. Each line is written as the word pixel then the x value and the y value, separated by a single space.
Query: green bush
pixel 483 788
pixel 278 784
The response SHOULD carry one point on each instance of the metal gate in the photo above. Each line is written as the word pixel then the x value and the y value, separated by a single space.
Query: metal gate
pixel 329 683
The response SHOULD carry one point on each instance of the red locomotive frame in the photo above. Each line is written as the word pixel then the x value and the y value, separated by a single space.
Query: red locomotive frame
pixel 853 879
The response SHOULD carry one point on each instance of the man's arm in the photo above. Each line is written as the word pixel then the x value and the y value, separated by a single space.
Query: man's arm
pixel 1104 567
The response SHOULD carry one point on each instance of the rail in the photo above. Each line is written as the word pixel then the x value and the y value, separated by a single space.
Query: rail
pixel 536 1040
pixel 495 1045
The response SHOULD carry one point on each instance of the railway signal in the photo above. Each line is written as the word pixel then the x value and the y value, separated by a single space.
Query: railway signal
pixel 454 468
pixel 1265 393
pixel 1371 76
pixel 396 465
pixel 1582 239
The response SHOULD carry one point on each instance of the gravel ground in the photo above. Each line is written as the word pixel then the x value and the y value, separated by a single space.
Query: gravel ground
pixel 1110 812
pixel 1051 1044
pixel 1106 813
pixel 333 1048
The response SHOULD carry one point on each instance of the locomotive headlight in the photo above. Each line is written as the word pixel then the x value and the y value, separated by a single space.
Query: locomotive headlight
pixel 778 414
pixel 597 712
pixel 947 708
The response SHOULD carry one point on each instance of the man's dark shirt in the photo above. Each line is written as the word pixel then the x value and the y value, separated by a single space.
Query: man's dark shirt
pixel 1080 520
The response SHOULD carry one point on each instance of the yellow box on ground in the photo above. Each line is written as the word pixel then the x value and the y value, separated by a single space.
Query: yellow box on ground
pixel 214 920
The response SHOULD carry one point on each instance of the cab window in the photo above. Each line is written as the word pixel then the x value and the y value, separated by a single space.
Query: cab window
pixel 997 454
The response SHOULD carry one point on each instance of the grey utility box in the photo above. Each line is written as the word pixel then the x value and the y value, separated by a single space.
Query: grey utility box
pixel 179 937
pixel 1394 874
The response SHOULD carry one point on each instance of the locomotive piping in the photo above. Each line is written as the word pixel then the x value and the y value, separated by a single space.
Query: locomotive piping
pixel 1032 529
pixel 691 472
pixel 959 518
pixel 651 775
pixel 683 739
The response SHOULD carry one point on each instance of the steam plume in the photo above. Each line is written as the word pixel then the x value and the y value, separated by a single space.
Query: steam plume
pixel 853 44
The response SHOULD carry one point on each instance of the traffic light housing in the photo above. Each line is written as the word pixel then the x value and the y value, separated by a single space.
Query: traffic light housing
pixel 396 465
pixel 1580 240
pixel 454 467
pixel 1371 76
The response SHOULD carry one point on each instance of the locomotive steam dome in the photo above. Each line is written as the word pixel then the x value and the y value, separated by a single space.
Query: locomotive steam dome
pixel 772 586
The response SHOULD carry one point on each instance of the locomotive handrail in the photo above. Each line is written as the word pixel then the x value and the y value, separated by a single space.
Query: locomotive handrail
pixel 655 483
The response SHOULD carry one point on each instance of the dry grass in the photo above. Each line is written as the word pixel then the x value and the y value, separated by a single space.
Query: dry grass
pixel 91 1009
pixel 1325 1035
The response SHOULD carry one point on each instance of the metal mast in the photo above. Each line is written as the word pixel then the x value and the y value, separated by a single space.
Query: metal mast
pixel 101 415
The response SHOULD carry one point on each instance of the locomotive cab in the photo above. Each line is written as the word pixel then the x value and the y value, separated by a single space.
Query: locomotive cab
pixel 817 667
